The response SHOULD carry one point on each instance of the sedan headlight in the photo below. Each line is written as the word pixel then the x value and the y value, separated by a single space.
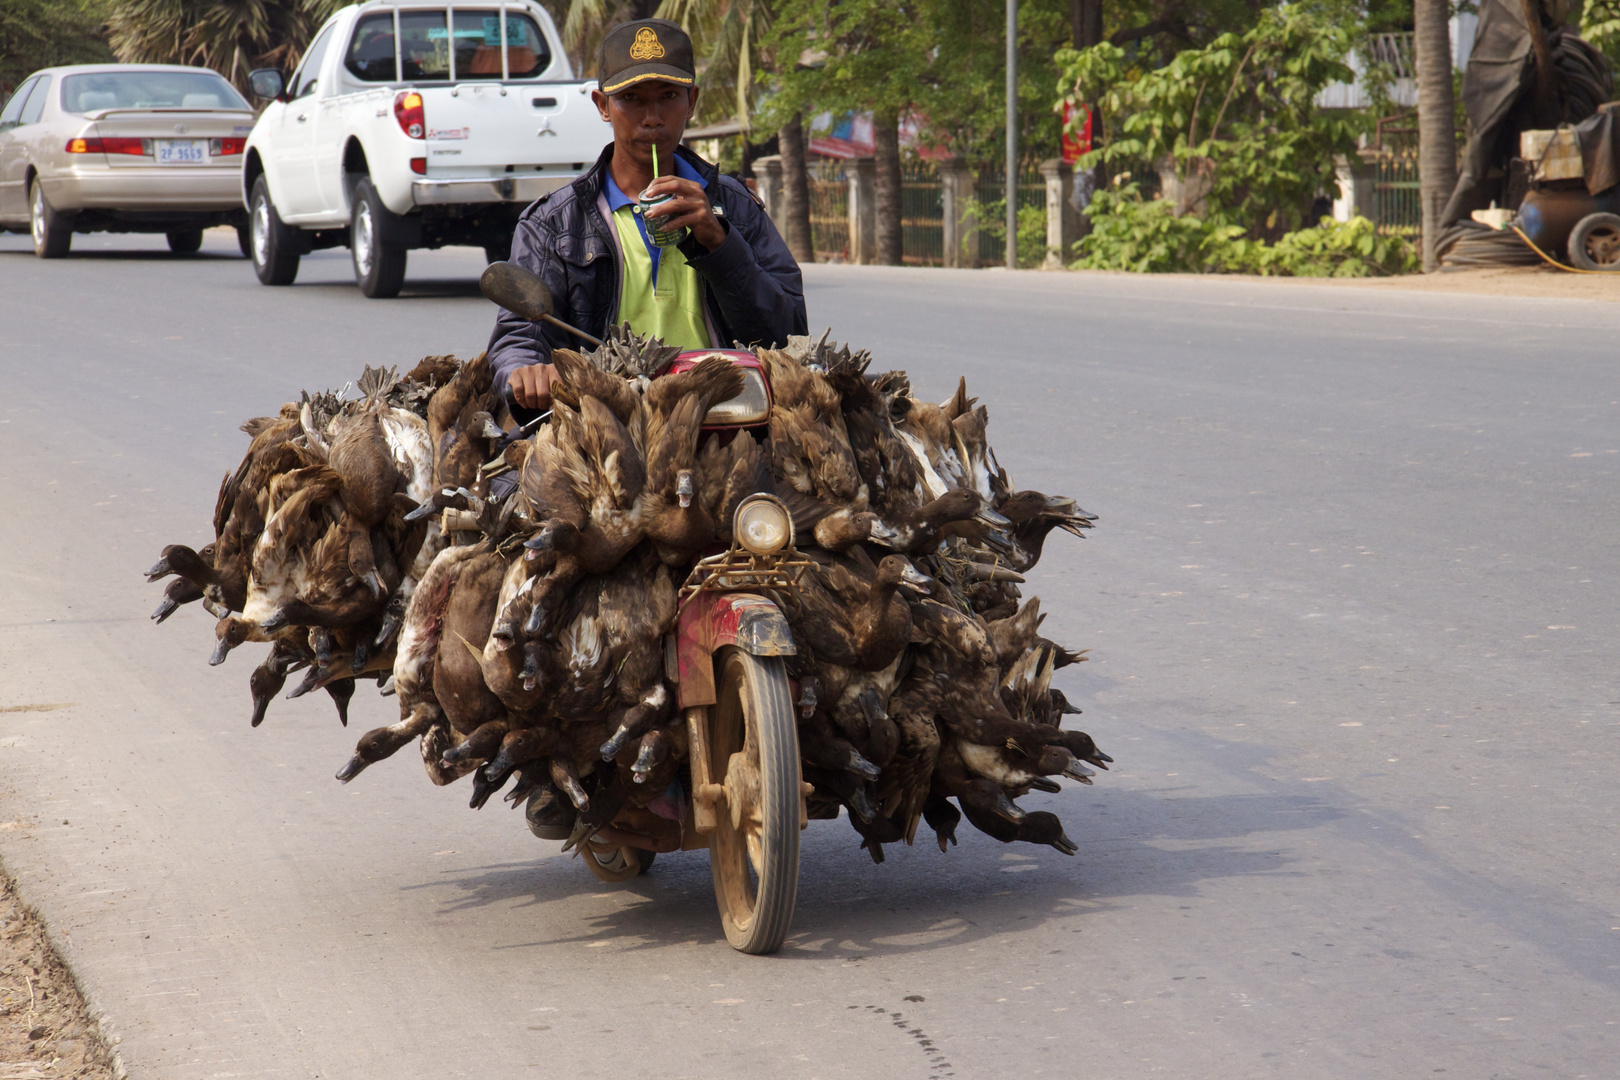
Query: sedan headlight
pixel 762 525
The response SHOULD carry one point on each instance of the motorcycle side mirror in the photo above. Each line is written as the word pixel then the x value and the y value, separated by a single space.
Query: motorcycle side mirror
pixel 267 83
pixel 517 290
pixel 521 292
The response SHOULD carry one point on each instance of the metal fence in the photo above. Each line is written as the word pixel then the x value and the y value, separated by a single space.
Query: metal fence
pixel 922 211
pixel 992 188
pixel 922 215
pixel 829 211
pixel 1397 203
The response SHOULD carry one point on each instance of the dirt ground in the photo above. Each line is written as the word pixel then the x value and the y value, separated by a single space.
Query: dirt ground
pixel 45 1033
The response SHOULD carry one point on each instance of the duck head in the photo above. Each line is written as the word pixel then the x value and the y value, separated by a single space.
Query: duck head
pixel 177 559
pixel 684 487
pixel 894 571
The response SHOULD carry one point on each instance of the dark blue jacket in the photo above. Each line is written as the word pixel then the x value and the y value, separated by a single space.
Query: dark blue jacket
pixel 751 284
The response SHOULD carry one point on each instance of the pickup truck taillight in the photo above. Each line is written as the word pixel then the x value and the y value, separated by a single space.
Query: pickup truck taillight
pixel 408 111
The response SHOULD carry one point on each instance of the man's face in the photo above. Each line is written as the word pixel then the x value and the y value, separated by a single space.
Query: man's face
pixel 648 113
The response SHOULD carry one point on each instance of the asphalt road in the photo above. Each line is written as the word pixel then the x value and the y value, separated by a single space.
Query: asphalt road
pixel 1352 606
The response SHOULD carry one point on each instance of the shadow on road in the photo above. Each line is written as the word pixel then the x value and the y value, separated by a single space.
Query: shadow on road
pixel 920 899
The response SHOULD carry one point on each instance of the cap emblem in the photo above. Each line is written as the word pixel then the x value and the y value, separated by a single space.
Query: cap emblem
pixel 646 46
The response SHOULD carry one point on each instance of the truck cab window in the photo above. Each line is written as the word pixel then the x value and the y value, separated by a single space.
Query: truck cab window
pixel 310 70
pixel 424 45
pixel 371 51
pixel 527 52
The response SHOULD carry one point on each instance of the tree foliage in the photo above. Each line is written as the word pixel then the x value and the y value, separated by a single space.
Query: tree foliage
pixel 43 33
pixel 231 36
pixel 1236 119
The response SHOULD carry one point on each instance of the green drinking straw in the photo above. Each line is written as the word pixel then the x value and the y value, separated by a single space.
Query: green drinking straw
pixel 655 161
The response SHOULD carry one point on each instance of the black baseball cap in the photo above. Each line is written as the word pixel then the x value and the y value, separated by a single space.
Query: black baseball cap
pixel 646 49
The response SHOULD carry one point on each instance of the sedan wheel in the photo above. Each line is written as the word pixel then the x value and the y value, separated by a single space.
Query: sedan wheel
pixel 53 236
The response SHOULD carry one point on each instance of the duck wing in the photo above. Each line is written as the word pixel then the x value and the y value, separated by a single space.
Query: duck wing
pixel 578 378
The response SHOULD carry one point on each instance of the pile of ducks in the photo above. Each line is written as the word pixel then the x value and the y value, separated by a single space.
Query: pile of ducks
pixel 514 588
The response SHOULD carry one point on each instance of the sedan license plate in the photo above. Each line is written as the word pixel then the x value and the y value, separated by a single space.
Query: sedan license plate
pixel 180 151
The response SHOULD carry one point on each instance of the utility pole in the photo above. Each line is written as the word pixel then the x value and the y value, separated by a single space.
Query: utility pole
pixel 1012 134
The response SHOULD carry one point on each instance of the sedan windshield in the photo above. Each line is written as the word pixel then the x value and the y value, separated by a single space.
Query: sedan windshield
pixel 148 90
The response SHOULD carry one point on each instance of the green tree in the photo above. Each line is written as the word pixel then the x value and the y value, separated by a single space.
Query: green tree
pixel 1236 119
pixel 43 33
pixel 231 36
pixel 857 56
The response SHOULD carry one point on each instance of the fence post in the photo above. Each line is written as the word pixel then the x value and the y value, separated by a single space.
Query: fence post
pixel 1356 175
pixel 863 211
pixel 960 228
pixel 768 176
pixel 1062 220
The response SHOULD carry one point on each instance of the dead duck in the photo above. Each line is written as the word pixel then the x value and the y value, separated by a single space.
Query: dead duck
pixel 678 522
pixel 955 512
pixel 1036 827
pixel 856 621
pixel 1033 516
pixel 370 479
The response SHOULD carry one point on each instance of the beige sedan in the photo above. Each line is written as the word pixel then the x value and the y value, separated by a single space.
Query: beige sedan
pixel 154 148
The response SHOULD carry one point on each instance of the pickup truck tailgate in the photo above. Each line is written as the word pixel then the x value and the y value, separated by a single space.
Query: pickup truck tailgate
pixel 488 126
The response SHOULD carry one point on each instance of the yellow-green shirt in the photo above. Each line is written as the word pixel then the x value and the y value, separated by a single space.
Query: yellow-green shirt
pixel 660 295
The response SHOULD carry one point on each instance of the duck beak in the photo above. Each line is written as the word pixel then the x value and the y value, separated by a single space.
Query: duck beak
pixel 160 569
pixel 882 534
pixel 491 430
pixel 683 489
pixel 276 620
pixel 352 769
pixel 165 609
pixel 221 650
pixel 989 517
pixel 544 540
pixel 426 509
pixel 916 580
pixel 1076 771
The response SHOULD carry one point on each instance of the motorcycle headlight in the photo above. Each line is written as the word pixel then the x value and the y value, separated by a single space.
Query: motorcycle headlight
pixel 762 525
pixel 752 406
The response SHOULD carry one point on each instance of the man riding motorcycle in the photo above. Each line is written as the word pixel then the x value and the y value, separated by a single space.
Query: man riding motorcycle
pixel 730 279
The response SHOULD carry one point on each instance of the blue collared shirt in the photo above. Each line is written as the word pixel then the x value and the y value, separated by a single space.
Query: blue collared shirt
pixel 617 200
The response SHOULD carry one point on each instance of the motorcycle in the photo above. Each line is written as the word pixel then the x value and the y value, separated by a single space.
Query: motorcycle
pixel 725 657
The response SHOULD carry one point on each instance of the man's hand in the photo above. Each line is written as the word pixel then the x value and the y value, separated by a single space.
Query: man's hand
pixel 689 208
pixel 531 386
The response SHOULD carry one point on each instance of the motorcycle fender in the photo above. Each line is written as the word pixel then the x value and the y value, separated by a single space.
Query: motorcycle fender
pixel 752 623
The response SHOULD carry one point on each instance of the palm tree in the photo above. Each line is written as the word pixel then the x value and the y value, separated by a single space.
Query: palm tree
pixel 1437 125
pixel 231 36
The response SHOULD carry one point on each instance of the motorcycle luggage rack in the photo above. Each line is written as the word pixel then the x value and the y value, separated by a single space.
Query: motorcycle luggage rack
pixel 740 570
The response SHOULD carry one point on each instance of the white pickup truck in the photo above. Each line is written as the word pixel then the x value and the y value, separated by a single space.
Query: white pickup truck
pixel 413 125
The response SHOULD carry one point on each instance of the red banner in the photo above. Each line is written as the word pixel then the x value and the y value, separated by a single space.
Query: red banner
pixel 1076 131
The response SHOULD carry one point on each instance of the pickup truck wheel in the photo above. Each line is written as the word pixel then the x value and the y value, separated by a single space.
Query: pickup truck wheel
pixel 185 241
pixel 53 235
pixel 379 266
pixel 274 245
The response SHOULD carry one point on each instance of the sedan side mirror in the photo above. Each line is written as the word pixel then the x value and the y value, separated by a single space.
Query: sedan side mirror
pixel 267 83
